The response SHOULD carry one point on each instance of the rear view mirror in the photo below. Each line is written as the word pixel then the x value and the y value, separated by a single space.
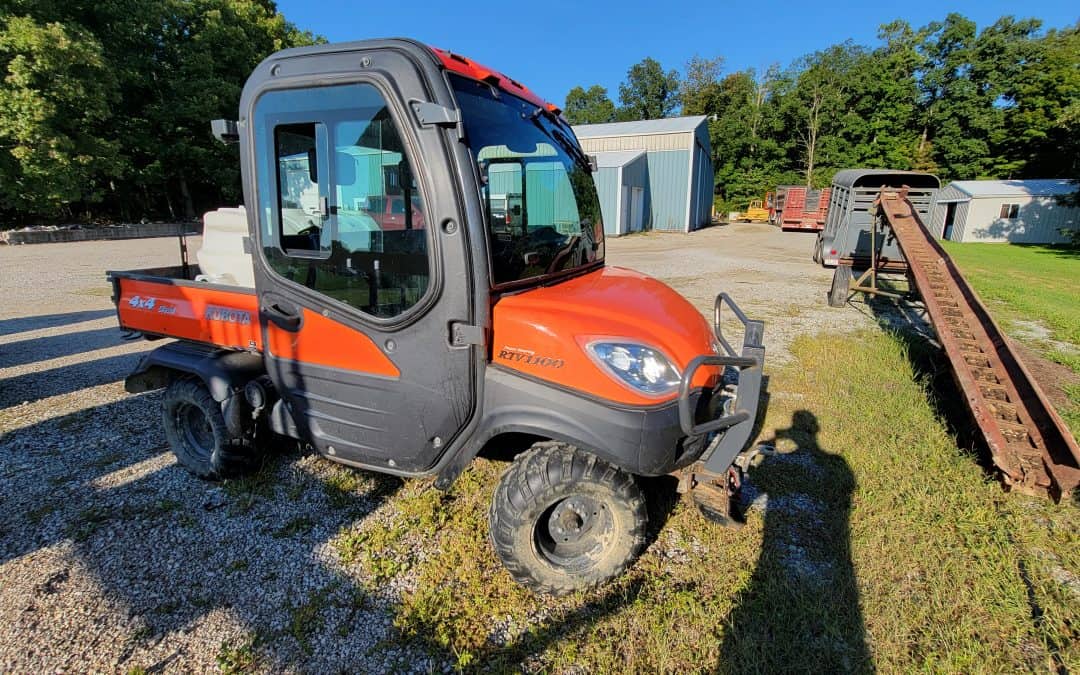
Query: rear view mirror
pixel 226 131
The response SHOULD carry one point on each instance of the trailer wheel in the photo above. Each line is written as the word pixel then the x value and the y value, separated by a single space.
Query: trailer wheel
pixel 563 520
pixel 196 430
pixel 841 286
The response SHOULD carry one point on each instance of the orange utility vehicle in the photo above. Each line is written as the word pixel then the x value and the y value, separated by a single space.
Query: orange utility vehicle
pixel 410 349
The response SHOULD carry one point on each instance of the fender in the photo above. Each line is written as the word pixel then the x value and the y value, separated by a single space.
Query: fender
pixel 223 371
pixel 644 440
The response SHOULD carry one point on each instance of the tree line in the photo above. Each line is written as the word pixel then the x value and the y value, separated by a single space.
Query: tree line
pixel 1003 102
pixel 105 105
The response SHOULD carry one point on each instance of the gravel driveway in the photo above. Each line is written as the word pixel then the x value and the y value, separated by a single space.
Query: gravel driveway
pixel 112 558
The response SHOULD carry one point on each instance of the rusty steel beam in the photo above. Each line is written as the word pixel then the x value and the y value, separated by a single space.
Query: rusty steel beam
pixel 1028 440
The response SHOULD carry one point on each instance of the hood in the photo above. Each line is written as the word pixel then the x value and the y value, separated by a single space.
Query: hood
pixel 542 332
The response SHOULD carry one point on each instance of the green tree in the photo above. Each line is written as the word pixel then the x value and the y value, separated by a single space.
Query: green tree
pixel 1043 124
pixel 700 90
pixel 965 93
pixel 153 74
pixel 589 106
pixel 880 117
pixel 649 92
pixel 55 97
pixel 814 105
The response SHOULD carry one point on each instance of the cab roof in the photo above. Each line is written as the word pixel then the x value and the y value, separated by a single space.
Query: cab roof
pixel 446 59
pixel 465 66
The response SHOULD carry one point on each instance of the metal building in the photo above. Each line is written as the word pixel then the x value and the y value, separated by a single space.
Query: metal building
pixel 654 174
pixel 1024 211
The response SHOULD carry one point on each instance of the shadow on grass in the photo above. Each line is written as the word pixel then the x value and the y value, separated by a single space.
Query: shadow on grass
pixel 571 623
pixel 931 366
pixel 800 610
pixel 1065 251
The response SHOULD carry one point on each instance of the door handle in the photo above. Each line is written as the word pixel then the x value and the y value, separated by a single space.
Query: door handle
pixel 282 315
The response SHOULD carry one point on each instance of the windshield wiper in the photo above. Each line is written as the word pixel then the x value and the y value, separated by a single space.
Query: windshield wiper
pixel 556 135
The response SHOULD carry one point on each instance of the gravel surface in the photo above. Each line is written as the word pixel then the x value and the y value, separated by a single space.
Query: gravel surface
pixel 114 558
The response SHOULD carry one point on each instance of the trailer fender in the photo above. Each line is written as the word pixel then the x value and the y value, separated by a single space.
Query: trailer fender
pixel 223 371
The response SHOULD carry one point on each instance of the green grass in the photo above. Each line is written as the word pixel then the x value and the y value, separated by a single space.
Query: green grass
pixel 1031 284
pixel 886 548
pixel 235 659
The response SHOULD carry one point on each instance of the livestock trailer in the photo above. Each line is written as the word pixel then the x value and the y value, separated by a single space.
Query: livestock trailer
pixel 846 238
pixel 797 207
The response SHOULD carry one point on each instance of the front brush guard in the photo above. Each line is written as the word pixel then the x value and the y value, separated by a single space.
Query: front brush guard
pixel 738 424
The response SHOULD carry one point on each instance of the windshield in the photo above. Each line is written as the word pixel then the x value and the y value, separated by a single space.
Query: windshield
pixel 543 215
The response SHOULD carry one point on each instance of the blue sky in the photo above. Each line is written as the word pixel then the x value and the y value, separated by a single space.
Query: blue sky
pixel 552 45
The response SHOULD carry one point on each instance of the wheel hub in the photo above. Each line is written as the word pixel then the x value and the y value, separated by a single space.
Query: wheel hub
pixel 573 531
pixel 571 519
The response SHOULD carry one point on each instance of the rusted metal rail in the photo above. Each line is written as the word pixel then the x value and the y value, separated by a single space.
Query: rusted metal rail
pixel 1028 441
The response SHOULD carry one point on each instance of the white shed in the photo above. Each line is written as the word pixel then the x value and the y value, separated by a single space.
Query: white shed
pixel 1025 211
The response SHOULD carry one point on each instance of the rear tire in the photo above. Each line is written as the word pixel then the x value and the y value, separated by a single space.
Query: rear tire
pixel 563 520
pixel 196 430
pixel 841 286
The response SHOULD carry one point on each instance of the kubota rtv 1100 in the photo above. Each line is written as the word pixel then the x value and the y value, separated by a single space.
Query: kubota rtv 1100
pixel 419 271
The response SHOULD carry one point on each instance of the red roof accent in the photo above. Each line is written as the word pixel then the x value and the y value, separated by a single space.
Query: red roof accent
pixel 459 64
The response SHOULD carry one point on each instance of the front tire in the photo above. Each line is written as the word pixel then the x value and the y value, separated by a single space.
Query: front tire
pixel 563 520
pixel 198 435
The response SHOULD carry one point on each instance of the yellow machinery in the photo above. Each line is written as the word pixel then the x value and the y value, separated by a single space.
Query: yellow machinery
pixel 755 213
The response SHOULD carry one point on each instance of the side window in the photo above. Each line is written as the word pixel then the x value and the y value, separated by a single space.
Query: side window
pixel 341 207
pixel 301 204
pixel 1009 211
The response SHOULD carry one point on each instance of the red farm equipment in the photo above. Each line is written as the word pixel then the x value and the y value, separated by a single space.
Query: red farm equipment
pixel 796 207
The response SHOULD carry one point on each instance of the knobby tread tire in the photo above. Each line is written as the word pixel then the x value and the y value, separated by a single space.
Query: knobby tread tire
pixel 230 457
pixel 541 476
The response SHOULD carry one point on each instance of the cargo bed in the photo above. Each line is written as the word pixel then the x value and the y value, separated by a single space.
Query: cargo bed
pixel 168 302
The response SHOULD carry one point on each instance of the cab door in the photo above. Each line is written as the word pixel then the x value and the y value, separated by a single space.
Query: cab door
pixel 357 313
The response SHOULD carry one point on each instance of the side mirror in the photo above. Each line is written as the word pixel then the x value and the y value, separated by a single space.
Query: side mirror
pixel 226 131
pixel 593 166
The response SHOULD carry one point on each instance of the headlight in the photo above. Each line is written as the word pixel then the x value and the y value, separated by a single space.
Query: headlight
pixel 643 368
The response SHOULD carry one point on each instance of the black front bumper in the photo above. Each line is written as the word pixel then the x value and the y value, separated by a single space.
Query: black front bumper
pixel 736 421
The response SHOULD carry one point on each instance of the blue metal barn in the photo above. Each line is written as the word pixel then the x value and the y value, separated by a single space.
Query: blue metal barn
pixel 652 175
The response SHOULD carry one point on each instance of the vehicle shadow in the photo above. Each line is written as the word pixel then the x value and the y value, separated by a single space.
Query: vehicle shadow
pixel 661 499
pixel 99 515
pixel 801 609
pixel 37 385
pixel 38 349
pixel 24 324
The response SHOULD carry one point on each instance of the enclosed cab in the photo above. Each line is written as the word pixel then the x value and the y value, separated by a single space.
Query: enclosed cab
pixel 846 238
pixel 486 313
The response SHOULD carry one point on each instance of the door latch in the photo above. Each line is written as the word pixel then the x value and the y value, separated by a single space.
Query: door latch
pixel 464 334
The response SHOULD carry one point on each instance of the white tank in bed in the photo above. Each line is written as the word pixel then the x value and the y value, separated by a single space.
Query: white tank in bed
pixel 222 259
